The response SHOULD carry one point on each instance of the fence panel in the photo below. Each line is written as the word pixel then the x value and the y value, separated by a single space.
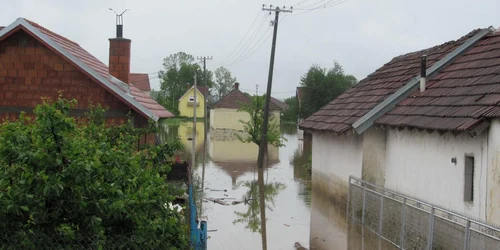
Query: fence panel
pixel 395 221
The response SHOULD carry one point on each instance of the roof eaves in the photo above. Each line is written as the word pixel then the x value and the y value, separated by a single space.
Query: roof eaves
pixel 85 67
pixel 198 90
pixel 369 118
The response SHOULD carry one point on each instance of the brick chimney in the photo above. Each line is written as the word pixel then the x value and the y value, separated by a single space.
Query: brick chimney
pixel 236 85
pixel 119 55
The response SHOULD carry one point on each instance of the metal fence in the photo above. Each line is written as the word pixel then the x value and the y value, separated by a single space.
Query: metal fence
pixel 396 221
pixel 57 241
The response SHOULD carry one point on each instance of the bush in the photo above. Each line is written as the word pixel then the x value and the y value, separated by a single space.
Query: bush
pixel 72 182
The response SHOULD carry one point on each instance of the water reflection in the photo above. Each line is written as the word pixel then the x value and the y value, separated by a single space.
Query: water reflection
pixel 254 199
pixel 278 213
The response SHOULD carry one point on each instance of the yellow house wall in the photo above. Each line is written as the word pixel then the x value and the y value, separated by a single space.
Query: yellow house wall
pixel 186 110
pixel 186 131
pixel 221 118
pixel 236 151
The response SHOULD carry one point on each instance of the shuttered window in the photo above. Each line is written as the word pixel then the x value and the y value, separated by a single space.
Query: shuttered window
pixel 469 179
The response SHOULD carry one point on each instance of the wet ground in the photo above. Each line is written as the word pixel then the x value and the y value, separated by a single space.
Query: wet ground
pixel 234 196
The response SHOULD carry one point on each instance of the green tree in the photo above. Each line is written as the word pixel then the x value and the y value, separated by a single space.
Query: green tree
pixel 291 114
pixel 177 76
pixel 322 86
pixel 223 82
pixel 253 127
pixel 65 183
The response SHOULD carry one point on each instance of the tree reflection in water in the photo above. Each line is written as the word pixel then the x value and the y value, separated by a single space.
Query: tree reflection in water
pixel 260 195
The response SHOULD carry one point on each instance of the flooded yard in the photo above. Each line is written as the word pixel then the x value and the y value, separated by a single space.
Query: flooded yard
pixel 236 193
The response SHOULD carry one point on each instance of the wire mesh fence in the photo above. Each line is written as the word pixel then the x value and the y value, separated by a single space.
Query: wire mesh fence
pixel 58 241
pixel 385 219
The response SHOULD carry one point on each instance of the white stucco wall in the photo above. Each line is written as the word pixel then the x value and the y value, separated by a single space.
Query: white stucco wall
pixel 419 164
pixel 334 158
pixel 493 180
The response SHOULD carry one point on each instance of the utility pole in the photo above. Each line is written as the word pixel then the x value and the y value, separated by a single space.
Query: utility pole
pixel 205 121
pixel 194 127
pixel 265 125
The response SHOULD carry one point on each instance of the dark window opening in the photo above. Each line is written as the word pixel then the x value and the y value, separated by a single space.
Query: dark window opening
pixel 469 179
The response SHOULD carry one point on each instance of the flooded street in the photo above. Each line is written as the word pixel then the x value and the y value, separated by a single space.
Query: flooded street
pixel 292 212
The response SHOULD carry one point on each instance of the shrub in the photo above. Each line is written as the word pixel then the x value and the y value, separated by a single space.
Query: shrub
pixel 75 183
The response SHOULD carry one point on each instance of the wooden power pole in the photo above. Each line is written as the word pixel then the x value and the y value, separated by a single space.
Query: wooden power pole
pixel 265 125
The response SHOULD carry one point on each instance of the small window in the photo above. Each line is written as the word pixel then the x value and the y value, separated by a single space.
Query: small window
pixel 191 99
pixel 469 179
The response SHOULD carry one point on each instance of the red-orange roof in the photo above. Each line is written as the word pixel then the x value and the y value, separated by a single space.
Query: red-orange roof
pixel 90 64
pixel 141 81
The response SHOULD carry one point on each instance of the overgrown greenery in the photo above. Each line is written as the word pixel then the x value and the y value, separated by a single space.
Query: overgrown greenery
pixel 67 183
pixel 322 86
pixel 290 115
pixel 253 127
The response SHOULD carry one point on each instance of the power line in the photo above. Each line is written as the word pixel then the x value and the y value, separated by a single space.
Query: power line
pixel 314 4
pixel 330 4
pixel 258 47
pixel 242 39
pixel 300 3
pixel 245 47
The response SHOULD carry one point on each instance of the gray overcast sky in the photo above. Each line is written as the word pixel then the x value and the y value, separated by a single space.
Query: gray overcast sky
pixel 361 35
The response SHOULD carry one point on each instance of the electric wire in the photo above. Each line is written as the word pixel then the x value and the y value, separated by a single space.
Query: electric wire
pixel 242 39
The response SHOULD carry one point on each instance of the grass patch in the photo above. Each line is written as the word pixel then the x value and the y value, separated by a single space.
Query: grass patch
pixel 176 121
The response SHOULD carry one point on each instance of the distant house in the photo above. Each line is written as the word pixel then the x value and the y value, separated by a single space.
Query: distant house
pixel 141 81
pixel 224 113
pixel 434 135
pixel 187 104
pixel 36 62
pixel 282 105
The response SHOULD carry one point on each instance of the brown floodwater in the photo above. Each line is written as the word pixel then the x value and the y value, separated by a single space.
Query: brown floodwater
pixel 292 211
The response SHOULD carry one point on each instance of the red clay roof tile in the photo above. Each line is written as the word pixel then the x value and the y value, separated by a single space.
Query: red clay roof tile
pixel 460 97
pixel 98 66
pixel 339 115
pixel 141 81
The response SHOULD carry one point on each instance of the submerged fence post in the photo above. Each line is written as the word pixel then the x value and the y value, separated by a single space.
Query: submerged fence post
pixel 431 228
pixel 364 204
pixel 348 199
pixel 403 219
pixel 380 220
pixel 467 236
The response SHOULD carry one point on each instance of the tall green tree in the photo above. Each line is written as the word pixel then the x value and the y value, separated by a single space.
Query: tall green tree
pixel 321 86
pixel 223 82
pixel 177 76
pixel 291 114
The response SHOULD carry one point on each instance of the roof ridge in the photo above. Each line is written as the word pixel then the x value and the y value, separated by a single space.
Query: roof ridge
pixel 470 34
pixel 40 27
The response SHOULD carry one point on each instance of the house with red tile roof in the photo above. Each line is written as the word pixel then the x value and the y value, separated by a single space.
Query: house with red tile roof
pixel 36 62
pixel 425 124
pixel 224 113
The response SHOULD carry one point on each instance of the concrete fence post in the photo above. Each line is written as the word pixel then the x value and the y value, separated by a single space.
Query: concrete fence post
pixel 380 219
pixel 402 231
pixel 348 199
pixel 431 228
pixel 364 207
pixel 467 235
